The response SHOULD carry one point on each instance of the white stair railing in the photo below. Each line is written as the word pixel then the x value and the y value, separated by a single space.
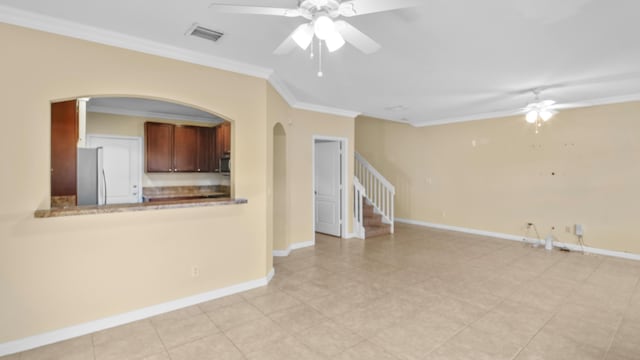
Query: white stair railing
pixel 358 217
pixel 378 190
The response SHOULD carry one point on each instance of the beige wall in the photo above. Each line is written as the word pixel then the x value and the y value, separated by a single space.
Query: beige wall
pixel 300 127
pixel 496 175
pixel 122 125
pixel 65 271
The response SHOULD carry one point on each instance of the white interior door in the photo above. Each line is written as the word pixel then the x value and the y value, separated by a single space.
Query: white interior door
pixel 122 165
pixel 328 187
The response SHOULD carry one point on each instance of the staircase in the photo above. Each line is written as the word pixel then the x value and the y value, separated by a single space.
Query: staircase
pixel 373 224
pixel 373 201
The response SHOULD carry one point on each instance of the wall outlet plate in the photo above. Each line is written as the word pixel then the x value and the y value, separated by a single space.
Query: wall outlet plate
pixel 579 230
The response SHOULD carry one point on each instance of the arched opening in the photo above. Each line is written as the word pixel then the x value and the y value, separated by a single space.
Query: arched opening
pixel 280 240
pixel 122 150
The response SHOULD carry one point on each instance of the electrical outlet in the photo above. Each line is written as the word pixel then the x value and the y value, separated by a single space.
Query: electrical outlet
pixel 579 230
pixel 195 271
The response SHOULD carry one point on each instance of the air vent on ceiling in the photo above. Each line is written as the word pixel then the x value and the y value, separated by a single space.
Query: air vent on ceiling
pixel 203 32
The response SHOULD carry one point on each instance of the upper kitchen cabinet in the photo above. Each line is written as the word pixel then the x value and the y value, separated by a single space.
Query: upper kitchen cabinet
pixel 64 142
pixel 222 143
pixel 177 148
pixel 206 149
pixel 185 149
pixel 158 140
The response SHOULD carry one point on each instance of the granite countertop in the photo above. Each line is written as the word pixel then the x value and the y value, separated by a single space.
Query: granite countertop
pixel 116 208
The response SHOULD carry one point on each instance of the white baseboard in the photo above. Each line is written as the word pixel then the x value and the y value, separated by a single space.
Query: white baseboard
pixel 70 332
pixel 294 246
pixel 281 253
pixel 572 247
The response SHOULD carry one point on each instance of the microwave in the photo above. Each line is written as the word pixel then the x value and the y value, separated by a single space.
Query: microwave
pixel 225 164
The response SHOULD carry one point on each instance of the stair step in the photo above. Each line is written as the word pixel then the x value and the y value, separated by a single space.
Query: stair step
pixel 373 220
pixel 373 225
pixel 372 231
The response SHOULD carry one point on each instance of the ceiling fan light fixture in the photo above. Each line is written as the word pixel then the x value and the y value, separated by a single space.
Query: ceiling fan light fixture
pixel 532 116
pixel 324 27
pixel 334 42
pixel 545 114
pixel 303 36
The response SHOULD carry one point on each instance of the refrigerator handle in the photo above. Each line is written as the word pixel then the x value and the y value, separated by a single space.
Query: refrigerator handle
pixel 104 183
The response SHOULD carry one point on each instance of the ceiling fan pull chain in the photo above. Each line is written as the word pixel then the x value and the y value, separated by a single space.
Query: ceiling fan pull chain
pixel 312 46
pixel 320 58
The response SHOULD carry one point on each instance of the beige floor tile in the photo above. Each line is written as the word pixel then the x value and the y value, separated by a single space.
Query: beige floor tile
pixel 179 314
pixel 347 299
pixel 263 290
pixel 616 356
pixel 285 349
pixel 477 345
pixel 365 350
pixel 414 294
pixel 216 347
pixel 216 304
pixel 517 321
pixel 298 318
pixel 585 330
pixel 255 335
pixel 80 348
pixel 234 315
pixel 377 315
pixel 273 302
pixel 475 294
pixel 174 332
pixel 547 346
pixel 459 310
pixel 415 338
pixel 627 340
pixel 159 356
pixel 132 341
pixel 328 338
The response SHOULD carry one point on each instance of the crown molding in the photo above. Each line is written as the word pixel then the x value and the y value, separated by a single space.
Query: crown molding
pixel 151 114
pixel 288 96
pixel 325 109
pixel 85 32
pixel 500 114
pixel 57 26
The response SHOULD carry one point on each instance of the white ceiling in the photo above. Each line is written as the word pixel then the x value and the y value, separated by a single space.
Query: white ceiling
pixel 444 61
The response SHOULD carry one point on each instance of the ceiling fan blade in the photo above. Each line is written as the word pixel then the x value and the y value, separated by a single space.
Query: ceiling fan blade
pixel 547 103
pixel 255 10
pixel 363 7
pixel 356 37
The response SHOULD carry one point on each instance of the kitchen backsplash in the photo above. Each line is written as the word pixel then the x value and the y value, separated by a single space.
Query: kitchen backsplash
pixel 183 179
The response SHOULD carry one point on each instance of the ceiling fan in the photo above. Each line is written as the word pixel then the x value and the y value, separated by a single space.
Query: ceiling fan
pixel 539 112
pixel 322 15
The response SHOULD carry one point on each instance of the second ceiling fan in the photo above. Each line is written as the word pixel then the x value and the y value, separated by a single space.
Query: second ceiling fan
pixel 322 15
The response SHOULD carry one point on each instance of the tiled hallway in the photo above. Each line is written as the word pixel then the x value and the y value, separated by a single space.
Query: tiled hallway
pixel 419 294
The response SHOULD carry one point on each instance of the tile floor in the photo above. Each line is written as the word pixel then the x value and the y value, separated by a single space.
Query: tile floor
pixel 419 294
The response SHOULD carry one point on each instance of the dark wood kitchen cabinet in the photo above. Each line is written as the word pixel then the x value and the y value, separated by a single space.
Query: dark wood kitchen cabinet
pixel 185 149
pixel 158 140
pixel 178 148
pixel 206 149
pixel 222 143
pixel 64 144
